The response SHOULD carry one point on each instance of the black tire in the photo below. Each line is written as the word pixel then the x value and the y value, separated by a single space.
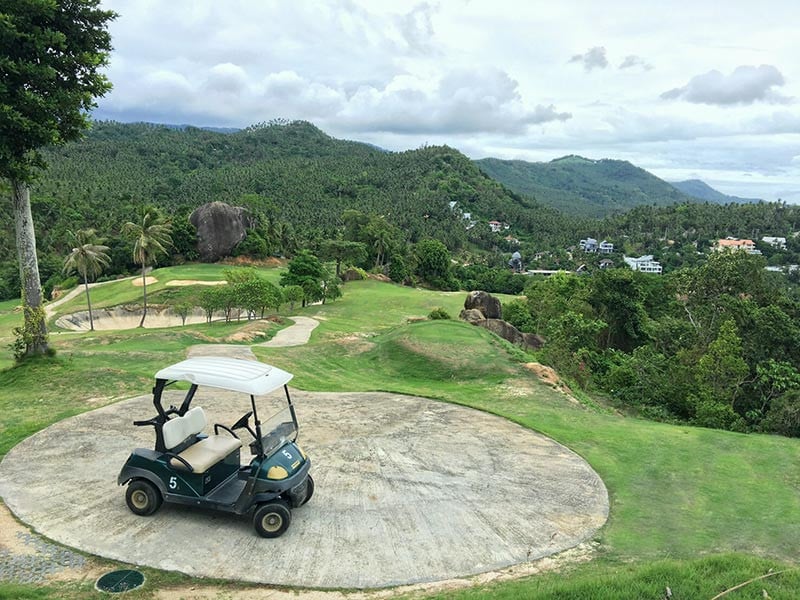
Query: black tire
pixel 272 519
pixel 142 497
pixel 309 490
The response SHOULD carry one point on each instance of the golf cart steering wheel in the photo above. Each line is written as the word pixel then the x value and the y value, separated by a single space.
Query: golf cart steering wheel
pixel 244 423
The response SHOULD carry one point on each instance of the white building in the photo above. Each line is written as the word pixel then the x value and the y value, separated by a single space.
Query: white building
pixel 605 247
pixel 645 264
pixel 775 242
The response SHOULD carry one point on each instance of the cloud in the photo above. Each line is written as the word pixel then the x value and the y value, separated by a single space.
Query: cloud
pixel 746 85
pixel 635 61
pixel 460 102
pixel 594 58
pixel 416 27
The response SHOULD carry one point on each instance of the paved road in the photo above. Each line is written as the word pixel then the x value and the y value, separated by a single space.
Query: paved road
pixel 408 490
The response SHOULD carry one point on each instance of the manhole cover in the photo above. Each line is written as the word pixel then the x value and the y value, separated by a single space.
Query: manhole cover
pixel 120 581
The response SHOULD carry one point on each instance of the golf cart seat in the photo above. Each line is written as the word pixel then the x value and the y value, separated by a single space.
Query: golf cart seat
pixel 180 437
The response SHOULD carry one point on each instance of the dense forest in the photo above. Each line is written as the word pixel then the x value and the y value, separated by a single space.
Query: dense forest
pixel 585 187
pixel 717 345
pixel 295 179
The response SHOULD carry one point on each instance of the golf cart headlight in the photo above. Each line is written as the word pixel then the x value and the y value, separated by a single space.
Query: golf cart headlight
pixel 277 472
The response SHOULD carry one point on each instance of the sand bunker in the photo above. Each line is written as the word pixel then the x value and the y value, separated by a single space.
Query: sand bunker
pixel 121 317
pixel 185 282
pixel 138 281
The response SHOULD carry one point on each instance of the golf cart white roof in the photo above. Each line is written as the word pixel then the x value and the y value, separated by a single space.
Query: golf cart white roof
pixel 246 376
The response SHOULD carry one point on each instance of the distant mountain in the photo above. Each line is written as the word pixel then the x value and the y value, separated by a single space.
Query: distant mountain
pixel 583 187
pixel 702 191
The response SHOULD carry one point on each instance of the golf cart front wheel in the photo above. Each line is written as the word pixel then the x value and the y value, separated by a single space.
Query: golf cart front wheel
pixel 272 519
pixel 309 490
pixel 142 497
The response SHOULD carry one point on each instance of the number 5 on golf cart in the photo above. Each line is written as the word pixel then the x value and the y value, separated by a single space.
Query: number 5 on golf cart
pixel 193 468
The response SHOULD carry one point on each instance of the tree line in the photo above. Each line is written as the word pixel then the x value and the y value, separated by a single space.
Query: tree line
pixel 716 345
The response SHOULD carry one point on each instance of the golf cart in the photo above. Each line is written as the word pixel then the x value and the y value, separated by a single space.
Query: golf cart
pixel 193 468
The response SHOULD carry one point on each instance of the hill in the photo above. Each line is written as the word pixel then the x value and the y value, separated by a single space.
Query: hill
pixel 702 191
pixel 584 187
pixel 289 172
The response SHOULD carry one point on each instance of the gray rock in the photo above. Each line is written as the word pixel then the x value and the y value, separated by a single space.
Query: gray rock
pixel 532 340
pixel 486 303
pixel 505 330
pixel 471 315
pixel 220 227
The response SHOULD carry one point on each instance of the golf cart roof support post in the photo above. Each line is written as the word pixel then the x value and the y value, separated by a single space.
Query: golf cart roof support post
pixel 188 400
pixel 259 441
pixel 291 410
pixel 158 388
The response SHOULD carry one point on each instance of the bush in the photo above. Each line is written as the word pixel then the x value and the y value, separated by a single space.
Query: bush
pixel 516 312
pixel 784 415
pixel 438 313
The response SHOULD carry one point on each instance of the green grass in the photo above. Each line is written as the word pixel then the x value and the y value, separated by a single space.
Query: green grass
pixel 696 509
pixel 686 579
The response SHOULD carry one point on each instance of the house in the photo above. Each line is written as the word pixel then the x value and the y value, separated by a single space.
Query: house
pixel 606 263
pixel 495 226
pixel 735 244
pixel 588 245
pixel 511 240
pixel 775 242
pixel 605 247
pixel 645 264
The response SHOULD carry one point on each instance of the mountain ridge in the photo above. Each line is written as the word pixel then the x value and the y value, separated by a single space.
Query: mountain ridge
pixel 699 189
pixel 582 186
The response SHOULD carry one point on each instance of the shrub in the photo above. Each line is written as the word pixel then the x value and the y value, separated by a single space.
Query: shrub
pixel 438 313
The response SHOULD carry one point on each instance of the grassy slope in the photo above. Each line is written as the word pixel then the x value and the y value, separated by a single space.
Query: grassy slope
pixel 676 492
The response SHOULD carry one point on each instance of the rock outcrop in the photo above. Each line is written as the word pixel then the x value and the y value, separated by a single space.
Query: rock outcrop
pixel 219 228
pixel 486 303
pixel 484 310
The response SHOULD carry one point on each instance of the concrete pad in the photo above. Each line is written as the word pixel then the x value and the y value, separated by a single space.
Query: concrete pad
pixel 408 490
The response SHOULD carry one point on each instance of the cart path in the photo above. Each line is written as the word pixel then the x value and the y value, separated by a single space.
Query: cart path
pixel 409 490
pixel 49 308
pixel 294 335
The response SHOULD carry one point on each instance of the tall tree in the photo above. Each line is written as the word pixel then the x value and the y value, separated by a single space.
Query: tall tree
pixel 88 259
pixel 53 51
pixel 151 237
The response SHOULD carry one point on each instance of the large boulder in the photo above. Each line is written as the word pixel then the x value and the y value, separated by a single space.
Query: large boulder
pixel 484 302
pixel 504 329
pixel 471 315
pixel 219 228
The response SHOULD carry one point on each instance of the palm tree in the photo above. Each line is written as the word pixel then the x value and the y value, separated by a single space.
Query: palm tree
pixel 150 237
pixel 88 259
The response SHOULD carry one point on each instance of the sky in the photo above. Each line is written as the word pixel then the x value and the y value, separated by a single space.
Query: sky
pixel 705 89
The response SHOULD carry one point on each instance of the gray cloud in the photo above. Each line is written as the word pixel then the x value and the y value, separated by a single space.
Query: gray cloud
pixel 635 61
pixel 594 58
pixel 462 102
pixel 417 27
pixel 747 84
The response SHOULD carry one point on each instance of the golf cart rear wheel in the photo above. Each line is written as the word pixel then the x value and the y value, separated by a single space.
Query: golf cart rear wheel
pixel 142 497
pixel 272 519
pixel 309 490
